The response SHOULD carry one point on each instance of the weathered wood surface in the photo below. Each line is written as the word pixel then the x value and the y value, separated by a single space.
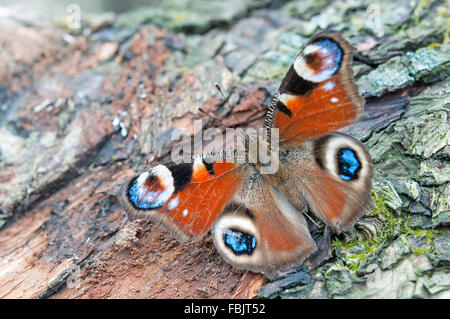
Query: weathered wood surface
pixel 79 111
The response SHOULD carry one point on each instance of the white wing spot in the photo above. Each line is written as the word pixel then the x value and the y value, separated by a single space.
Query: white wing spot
pixel 185 212
pixel 329 86
pixel 173 203
pixel 334 99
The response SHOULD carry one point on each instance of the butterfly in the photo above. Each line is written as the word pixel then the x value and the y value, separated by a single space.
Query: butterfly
pixel 256 219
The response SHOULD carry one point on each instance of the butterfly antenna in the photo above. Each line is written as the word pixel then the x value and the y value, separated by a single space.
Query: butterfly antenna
pixel 225 99
pixel 246 136
pixel 211 115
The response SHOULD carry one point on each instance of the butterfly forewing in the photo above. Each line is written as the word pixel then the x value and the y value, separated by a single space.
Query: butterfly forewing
pixel 318 94
pixel 185 197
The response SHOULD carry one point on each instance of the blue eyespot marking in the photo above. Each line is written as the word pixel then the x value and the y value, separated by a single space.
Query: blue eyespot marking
pixel 332 54
pixel 330 48
pixel 144 199
pixel 240 242
pixel 348 164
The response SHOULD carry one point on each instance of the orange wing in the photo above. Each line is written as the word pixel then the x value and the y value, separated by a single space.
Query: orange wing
pixel 187 198
pixel 318 94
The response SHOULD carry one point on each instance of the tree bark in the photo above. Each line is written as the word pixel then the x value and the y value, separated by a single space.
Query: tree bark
pixel 80 110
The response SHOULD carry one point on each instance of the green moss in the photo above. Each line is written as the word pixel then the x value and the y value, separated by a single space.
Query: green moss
pixel 433 46
pixel 420 9
pixel 356 253
pixel 419 251
pixel 427 235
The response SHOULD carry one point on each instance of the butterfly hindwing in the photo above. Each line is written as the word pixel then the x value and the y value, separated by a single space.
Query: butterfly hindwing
pixel 347 165
pixel 334 174
pixel 261 231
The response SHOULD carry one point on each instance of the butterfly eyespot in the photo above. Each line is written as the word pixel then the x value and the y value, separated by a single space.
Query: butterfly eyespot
pixel 151 189
pixel 330 52
pixel 348 164
pixel 239 242
pixel 320 60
